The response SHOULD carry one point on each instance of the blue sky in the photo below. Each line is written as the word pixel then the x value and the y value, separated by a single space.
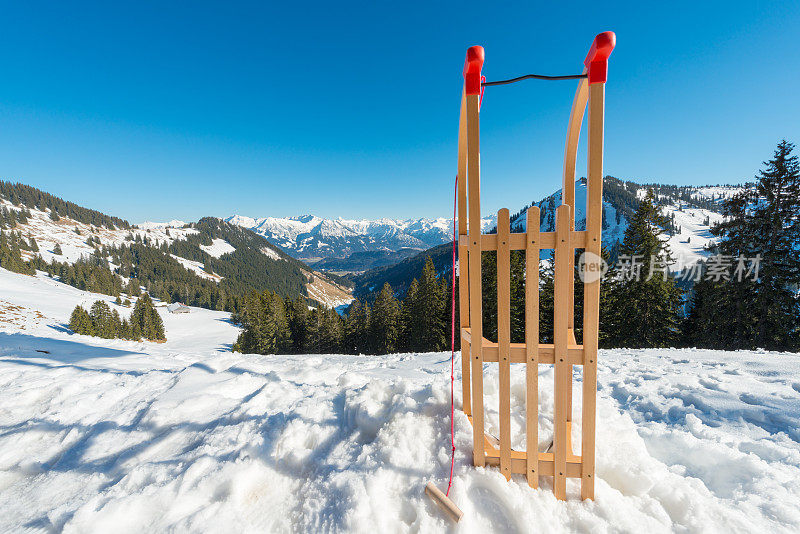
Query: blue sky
pixel 153 111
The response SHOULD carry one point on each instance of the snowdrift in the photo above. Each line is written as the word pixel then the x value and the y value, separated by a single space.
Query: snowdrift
pixel 110 435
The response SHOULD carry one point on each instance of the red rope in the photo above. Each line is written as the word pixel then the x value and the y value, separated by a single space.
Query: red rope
pixel 453 343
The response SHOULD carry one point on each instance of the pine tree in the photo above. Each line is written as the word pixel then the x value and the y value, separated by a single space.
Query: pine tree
pixel 431 305
pixel 57 250
pixel 644 310
pixel 11 254
pixel 134 288
pixel 763 221
pixel 298 323
pixel 384 323
pixel 145 320
pixel 324 332
pixel 489 294
pixel 411 320
pixel 546 303
pixel 266 325
pixel 357 329
pixel 80 322
pixel 282 337
pixel 102 323
pixel 125 330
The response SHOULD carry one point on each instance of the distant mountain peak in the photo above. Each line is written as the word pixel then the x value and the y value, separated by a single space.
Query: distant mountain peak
pixel 309 237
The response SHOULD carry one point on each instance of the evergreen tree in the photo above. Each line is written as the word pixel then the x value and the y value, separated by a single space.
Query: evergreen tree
pixel 266 324
pixel 384 323
pixel 357 328
pixel 145 321
pixel 643 308
pixel 102 322
pixel 298 323
pixel 80 322
pixel 57 250
pixel 324 333
pixel 431 306
pixel 125 330
pixel 763 221
pixel 11 254
pixel 133 289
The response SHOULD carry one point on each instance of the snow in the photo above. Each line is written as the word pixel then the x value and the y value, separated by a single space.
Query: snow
pixel 612 233
pixel 148 225
pixel 73 245
pixel 690 244
pixel 270 253
pixel 218 247
pixel 717 191
pixel 197 268
pixel 111 435
pixel 313 235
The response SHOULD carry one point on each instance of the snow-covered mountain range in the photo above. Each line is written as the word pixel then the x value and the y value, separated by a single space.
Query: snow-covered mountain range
pixel 311 238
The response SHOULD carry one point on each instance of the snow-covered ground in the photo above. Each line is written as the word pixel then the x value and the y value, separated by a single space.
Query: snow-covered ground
pixel 197 268
pixel 689 244
pixel 119 436
pixel 218 247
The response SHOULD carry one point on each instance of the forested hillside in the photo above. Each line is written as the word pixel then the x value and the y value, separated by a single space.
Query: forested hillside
pixel 211 263
pixel 21 194
pixel 400 275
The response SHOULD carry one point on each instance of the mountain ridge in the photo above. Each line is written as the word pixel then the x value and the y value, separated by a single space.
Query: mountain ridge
pixel 312 238
pixel 691 211
pixel 208 263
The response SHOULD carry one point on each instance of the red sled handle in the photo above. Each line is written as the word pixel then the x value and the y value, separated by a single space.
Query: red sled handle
pixel 597 59
pixel 472 70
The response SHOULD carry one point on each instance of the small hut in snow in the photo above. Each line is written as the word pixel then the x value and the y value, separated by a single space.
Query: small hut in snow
pixel 177 307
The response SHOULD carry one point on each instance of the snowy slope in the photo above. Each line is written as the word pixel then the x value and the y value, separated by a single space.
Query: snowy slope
pixel 689 244
pixel 694 222
pixel 197 268
pixel 614 232
pixel 219 247
pixel 119 436
pixel 73 244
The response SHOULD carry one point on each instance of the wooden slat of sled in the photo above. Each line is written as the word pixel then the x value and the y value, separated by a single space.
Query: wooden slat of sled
pixel 504 337
pixel 532 347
